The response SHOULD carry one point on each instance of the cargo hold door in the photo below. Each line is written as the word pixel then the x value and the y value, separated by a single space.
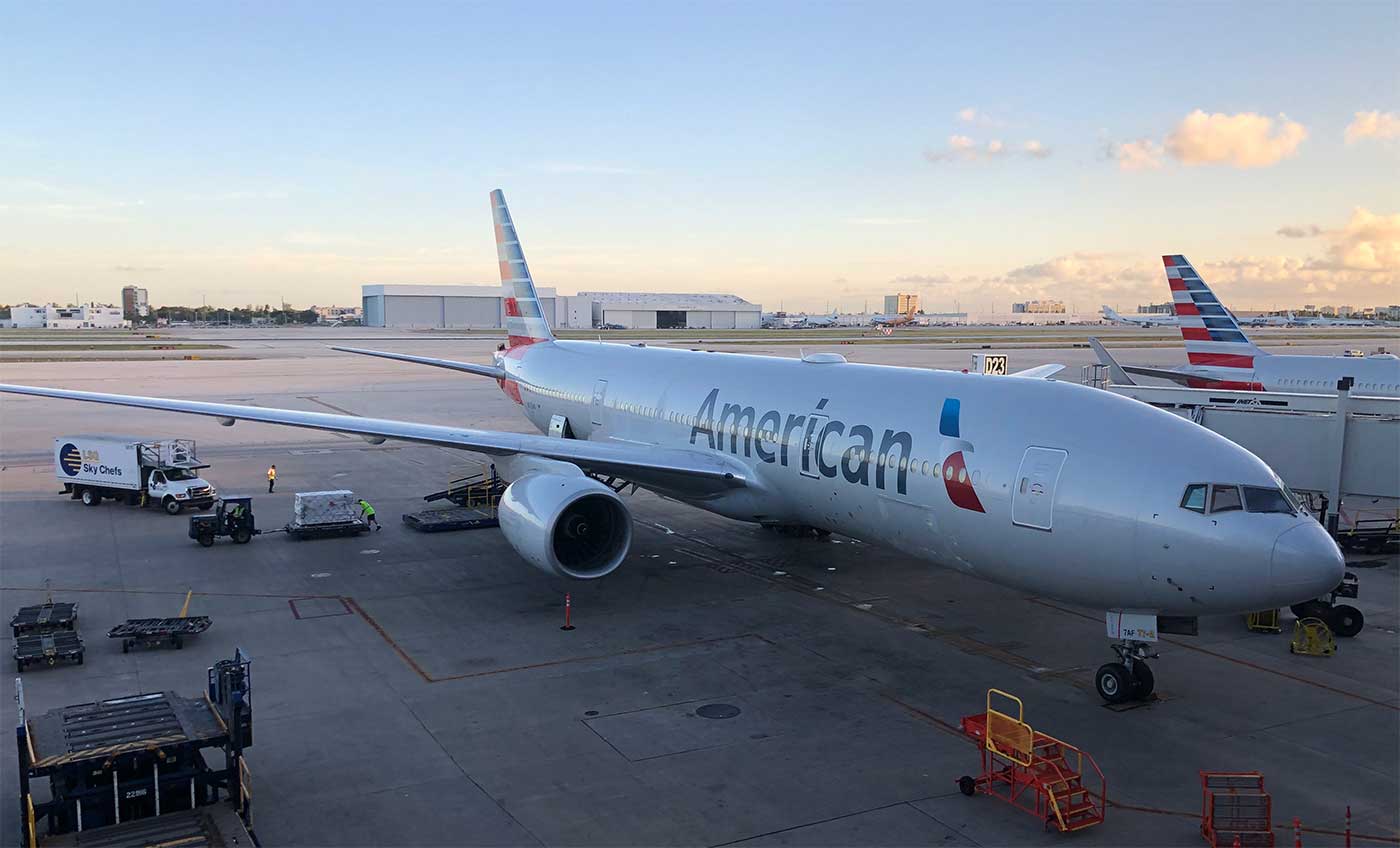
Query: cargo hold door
pixel 1033 502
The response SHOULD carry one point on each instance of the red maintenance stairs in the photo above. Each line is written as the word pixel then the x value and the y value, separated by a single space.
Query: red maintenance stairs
pixel 1032 771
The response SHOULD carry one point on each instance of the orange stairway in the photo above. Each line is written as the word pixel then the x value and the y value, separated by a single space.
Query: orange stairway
pixel 1033 771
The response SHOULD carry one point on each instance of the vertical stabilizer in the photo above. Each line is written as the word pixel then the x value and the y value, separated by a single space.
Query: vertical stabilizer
pixel 525 321
pixel 1212 335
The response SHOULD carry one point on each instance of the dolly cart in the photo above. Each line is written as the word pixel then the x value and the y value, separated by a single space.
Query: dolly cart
pixel 47 648
pixel 1031 771
pixel 44 618
pixel 155 632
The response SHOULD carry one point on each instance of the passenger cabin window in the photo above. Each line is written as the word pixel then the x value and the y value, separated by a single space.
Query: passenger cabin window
pixel 1195 498
pixel 1224 498
pixel 1263 499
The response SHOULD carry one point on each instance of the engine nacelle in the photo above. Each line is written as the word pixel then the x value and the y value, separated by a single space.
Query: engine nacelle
pixel 566 524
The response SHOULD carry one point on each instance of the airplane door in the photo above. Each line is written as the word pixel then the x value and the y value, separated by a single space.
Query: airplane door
pixel 1033 502
pixel 600 389
pixel 810 437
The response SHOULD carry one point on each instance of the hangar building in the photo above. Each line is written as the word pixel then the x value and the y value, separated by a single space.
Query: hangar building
pixel 483 307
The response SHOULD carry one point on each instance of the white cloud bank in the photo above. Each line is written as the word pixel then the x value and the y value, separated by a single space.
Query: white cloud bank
pixel 1242 140
pixel 1373 124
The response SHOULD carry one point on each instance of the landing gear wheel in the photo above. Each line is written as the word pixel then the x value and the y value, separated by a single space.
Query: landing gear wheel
pixel 1142 681
pixel 206 539
pixel 90 498
pixel 1310 609
pixel 172 506
pixel 967 785
pixel 1114 683
pixel 1345 620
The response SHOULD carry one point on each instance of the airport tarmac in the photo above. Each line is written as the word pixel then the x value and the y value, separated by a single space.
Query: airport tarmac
pixel 414 689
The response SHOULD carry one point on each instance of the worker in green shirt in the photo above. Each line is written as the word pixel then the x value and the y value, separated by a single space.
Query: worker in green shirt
pixel 367 512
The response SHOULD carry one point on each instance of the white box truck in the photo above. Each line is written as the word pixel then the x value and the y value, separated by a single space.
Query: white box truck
pixel 164 471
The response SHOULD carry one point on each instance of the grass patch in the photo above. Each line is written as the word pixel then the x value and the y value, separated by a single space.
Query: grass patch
pixel 54 348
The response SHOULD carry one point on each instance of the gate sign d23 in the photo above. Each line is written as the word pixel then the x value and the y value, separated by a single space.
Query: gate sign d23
pixel 989 363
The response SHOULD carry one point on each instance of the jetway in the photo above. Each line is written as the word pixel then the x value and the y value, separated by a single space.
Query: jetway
pixel 1344 448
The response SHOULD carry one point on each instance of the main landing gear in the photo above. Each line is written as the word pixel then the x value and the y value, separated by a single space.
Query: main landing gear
pixel 1129 679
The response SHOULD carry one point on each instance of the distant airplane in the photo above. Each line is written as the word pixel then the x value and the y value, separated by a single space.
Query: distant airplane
pixel 1221 356
pixel 809 321
pixel 1286 320
pixel 1030 482
pixel 1142 319
pixel 895 320
pixel 1325 321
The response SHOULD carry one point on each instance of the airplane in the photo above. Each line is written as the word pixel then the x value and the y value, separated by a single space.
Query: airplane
pixel 894 320
pixel 1019 479
pixel 1139 320
pixel 1221 356
pixel 810 321
pixel 1324 321
pixel 1286 320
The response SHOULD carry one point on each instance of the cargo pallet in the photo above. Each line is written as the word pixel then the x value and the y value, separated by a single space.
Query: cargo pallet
pixel 1032 771
pixel 48 648
pixel 157 632
pixel 1235 810
pixel 43 618
pixel 452 518
pixel 116 762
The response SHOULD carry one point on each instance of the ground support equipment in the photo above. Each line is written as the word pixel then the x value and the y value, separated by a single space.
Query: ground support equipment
pixel 1263 621
pixel 452 518
pixel 48 649
pixel 322 531
pixel 44 618
pixel 1343 619
pixel 158 632
pixel 1032 771
pixel 1235 810
pixel 116 761
pixel 1312 637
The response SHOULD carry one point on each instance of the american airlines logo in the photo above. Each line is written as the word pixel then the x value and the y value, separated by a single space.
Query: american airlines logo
pixel 801 440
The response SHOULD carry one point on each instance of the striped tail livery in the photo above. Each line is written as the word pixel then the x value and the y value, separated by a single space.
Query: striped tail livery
pixel 525 321
pixel 1212 335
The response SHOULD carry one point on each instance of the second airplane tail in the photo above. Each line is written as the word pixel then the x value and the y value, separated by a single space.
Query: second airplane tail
pixel 525 321
pixel 1211 334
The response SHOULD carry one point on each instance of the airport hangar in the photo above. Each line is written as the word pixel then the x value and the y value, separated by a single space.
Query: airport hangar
pixel 483 307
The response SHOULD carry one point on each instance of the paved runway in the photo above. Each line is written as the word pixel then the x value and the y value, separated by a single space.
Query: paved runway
pixel 416 689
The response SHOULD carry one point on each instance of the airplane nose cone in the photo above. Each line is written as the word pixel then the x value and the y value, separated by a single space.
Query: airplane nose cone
pixel 1306 563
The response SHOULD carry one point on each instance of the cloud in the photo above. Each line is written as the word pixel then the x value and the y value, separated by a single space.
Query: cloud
pixel 962 148
pixel 1368 242
pixel 1141 155
pixel 927 280
pixel 1373 124
pixel 1310 231
pixel 968 115
pixel 137 269
pixel 1243 140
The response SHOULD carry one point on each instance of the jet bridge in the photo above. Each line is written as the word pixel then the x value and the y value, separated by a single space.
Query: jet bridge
pixel 1341 451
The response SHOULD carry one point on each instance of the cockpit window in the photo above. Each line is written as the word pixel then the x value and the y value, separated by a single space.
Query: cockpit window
pixel 1262 499
pixel 1224 498
pixel 1195 498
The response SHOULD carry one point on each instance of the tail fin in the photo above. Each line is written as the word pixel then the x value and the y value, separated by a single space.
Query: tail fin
pixel 1111 314
pixel 525 321
pixel 1212 335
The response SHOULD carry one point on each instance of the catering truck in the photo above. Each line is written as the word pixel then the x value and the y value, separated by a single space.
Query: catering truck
pixel 133 470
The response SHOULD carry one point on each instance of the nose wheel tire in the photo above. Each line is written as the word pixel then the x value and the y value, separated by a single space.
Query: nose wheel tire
pixel 967 785
pixel 1142 680
pixel 1345 620
pixel 1114 683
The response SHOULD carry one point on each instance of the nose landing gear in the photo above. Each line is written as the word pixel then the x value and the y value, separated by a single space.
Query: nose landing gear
pixel 1128 679
pixel 1344 619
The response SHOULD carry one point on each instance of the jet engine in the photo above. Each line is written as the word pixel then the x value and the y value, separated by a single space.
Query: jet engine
pixel 566 524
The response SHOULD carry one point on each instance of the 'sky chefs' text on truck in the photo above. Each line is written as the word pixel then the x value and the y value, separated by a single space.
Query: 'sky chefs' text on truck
pixel 125 468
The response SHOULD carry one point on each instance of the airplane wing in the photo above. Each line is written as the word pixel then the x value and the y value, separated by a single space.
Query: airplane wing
pixel 1160 373
pixel 1115 371
pixel 1041 372
pixel 469 367
pixel 667 469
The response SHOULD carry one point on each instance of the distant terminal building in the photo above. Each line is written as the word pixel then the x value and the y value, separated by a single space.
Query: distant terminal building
pixel 1035 307
pixel 50 317
pixel 331 314
pixel 135 302
pixel 483 307
pixel 1167 308
pixel 646 311
pixel 901 304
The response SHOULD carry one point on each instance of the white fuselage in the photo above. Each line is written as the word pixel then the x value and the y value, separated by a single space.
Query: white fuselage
pixel 1031 483
pixel 1376 376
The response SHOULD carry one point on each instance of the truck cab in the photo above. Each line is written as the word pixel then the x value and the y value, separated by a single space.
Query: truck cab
pixel 175 487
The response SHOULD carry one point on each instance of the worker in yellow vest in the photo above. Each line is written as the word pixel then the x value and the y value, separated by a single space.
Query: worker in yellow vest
pixel 271 478
pixel 367 512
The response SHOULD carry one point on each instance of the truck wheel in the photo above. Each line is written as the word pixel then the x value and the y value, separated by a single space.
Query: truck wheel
pixel 206 539
pixel 90 497
pixel 172 506
pixel 242 536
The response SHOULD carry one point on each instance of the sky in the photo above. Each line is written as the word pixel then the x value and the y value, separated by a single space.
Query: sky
pixel 806 155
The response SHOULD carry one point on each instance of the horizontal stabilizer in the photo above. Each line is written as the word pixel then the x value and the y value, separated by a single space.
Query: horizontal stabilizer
pixel 1041 372
pixel 469 367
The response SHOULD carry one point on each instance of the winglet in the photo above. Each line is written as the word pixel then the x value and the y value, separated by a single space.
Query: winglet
pixel 525 321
